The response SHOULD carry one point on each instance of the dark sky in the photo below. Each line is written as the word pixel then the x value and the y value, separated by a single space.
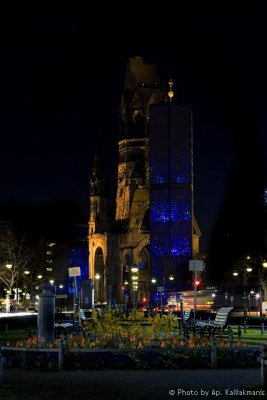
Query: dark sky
pixel 62 72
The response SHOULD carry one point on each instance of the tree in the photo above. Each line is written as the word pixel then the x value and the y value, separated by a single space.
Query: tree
pixel 21 260
pixel 15 257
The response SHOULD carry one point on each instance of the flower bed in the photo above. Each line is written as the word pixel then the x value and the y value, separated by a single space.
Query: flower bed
pixel 108 343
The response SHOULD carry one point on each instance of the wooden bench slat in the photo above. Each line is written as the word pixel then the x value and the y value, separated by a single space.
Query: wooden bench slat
pixel 220 321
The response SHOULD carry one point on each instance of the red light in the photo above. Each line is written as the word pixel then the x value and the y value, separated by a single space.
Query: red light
pixel 144 299
pixel 197 283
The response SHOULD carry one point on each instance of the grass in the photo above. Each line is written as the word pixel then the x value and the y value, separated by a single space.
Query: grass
pixel 12 335
pixel 252 337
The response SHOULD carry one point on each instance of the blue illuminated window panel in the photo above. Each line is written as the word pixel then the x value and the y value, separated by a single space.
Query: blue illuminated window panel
pixel 171 186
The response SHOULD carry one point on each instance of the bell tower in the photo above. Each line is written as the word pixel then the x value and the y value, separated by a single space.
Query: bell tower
pixel 98 195
pixel 141 89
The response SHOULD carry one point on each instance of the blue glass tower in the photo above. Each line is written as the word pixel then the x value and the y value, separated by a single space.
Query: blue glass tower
pixel 171 194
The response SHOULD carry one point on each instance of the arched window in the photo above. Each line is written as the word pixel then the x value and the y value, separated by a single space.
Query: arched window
pixel 99 278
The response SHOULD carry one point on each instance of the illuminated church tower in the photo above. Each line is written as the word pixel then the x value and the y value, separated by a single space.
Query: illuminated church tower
pixel 141 89
pixel 153 233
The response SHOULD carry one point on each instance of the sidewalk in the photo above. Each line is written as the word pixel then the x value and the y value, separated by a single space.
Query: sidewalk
pixel 21 384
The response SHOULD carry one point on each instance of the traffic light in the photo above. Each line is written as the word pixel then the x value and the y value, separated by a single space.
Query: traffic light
pixel 197 283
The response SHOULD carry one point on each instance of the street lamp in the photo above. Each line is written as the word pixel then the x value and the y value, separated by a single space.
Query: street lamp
pixel 9 266
pixel 26 286
pixel 245 296
pixel 153 282
pixel 97 278
pixel 134 271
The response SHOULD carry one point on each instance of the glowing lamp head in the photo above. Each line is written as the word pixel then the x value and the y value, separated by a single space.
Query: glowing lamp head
pixel 170 92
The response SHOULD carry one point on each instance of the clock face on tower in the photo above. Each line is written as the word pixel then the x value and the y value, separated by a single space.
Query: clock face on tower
pixel 121 176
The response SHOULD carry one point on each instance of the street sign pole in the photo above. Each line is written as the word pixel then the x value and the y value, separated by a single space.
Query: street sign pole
pixel 74 272
pixel 195 266
pixel 195 295
pixel 76 313
pixel 160 289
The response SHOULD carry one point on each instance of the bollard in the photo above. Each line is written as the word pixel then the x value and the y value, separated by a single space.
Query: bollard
pixel 230 335
pixel 60 355
pixel 2 361
pixel 264 366
pixel 262 328
pixel 245 326
pixel 46 313
pixel 213 353
pixel 6 329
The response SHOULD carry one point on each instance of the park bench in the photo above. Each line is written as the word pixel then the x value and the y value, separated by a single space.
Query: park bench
pixel 187 317
pixel 187 322
pixel 217 325
pixel 83 316
pixel 63 328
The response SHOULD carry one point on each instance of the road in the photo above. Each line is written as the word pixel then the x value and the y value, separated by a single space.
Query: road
pixel 129 384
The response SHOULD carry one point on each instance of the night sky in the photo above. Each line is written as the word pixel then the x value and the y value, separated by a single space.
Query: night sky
pixel 62 72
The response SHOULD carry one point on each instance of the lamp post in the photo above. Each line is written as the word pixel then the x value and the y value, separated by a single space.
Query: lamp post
pixel 171 278
pixel 9 266
pixel 246 298
pixel 27 295
pixel 153 282
pixel 97 278
pixel 134 271
pixel 264 265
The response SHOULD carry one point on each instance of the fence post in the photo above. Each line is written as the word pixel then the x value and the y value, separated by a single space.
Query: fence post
pixel 213 353
pixel 2 360
pixel 264 366
pixel 60 355
pixel 230 335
